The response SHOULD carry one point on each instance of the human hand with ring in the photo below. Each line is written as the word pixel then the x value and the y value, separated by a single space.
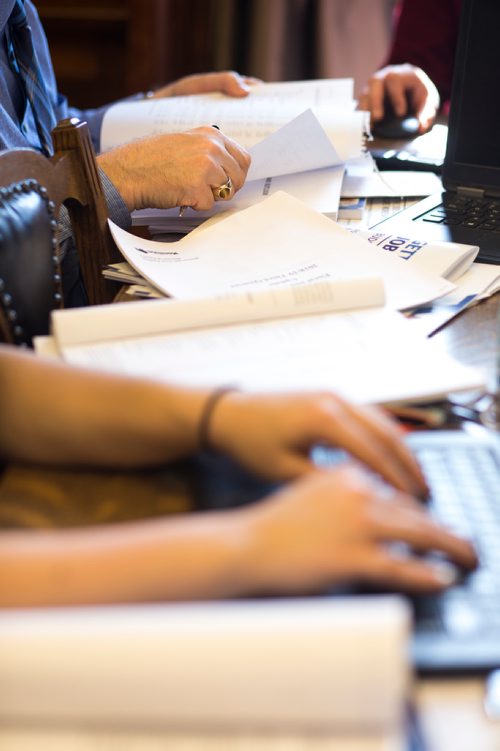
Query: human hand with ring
pixel 194 168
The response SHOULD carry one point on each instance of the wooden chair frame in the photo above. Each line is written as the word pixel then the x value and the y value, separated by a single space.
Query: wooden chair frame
pixel 71 177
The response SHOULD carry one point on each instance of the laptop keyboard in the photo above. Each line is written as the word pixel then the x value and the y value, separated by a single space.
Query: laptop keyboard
pixel 465 483
pixel 465 212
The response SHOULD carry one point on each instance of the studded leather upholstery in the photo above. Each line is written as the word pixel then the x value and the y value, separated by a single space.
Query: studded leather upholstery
pixel 30 280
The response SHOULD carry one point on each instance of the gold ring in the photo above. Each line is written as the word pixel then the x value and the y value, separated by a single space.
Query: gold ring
pixel 224 191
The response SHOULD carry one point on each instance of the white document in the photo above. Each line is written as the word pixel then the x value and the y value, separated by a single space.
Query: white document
pixel 249 119
pixel 299 146
pixel 446 259
pixel 319 189
pixel 368 356
pixel 327 665
pixel 396 184
pixel 279 241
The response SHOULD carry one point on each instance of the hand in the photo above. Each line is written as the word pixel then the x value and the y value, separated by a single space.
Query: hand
pixel 178 169
pixel 332 527
pixel 280 430
pixel 227 82
pixel 410 91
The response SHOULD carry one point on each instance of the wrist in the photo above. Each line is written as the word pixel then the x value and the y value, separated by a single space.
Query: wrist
pixel 112 165
pixel 207 436
pixel 256 570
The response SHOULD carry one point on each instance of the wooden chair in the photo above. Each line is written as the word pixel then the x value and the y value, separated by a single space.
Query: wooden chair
pixel 32 190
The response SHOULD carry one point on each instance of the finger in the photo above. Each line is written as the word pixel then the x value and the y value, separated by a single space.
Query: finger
pixel 290 465
pixel 232 84
pixel 229 160
pixel 252 80
pixel 422 106
pixel 408 523
pixel 364 102
pixel 368 435
pixel 389 437
pixel 396 91
pixel 200 198
pixel 238 153
pixel 407 574
pixel 376 98
pixel 427 116
pixel 234 167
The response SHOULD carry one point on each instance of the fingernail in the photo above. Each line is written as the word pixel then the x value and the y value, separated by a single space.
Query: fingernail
pixel 445 573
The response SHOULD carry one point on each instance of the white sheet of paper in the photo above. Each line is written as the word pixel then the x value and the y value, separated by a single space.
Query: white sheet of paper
pixel 369 356
pixel 248 120
pixel 278 241
pixel 318 92
pixel 298 146
pixel 397 184
pixel 447 259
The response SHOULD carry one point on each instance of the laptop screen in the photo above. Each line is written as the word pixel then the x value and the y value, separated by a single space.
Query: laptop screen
pixel 473 154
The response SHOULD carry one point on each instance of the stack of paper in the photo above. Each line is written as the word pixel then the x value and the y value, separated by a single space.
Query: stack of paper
pixel 329 665
pixel 275 243
pixel 281 241
pixel 453 261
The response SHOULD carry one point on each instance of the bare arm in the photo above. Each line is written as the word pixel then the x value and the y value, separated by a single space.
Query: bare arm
pixel 324 528
pixel 59 415
pixel 55 414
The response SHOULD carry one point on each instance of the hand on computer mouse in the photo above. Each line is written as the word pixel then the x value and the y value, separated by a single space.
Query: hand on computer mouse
pixel 409 92
pixel 395 127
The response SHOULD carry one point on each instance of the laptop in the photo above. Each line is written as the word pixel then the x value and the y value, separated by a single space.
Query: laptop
pixel 468 211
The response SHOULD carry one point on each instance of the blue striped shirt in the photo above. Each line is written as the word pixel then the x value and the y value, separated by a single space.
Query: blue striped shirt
pixel 18 129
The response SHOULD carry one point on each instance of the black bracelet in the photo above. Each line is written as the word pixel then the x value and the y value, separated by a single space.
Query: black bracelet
pixel 206 415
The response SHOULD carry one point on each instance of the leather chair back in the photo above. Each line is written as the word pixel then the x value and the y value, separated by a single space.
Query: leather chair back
pixel 32 190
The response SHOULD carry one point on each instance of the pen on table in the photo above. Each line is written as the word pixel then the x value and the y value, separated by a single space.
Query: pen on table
pixel 182 209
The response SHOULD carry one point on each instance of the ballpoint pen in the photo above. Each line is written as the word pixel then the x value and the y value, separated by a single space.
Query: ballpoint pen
pixel 182 209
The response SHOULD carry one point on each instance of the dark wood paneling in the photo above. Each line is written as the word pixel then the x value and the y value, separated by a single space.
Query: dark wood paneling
pixel 106 50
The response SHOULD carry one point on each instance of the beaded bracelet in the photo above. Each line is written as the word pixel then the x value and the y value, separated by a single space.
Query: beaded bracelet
pixel 206 415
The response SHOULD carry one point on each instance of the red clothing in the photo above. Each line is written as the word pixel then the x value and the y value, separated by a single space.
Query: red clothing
pixel 426 35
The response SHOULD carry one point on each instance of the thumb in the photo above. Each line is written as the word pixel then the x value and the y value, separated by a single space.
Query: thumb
pixel 294 465
pixel 234 85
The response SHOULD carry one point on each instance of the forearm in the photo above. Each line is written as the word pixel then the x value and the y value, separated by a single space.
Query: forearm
pixel 59 415
pixel 198 556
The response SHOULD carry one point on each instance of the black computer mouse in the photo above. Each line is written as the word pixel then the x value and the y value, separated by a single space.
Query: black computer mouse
pixel 393 126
